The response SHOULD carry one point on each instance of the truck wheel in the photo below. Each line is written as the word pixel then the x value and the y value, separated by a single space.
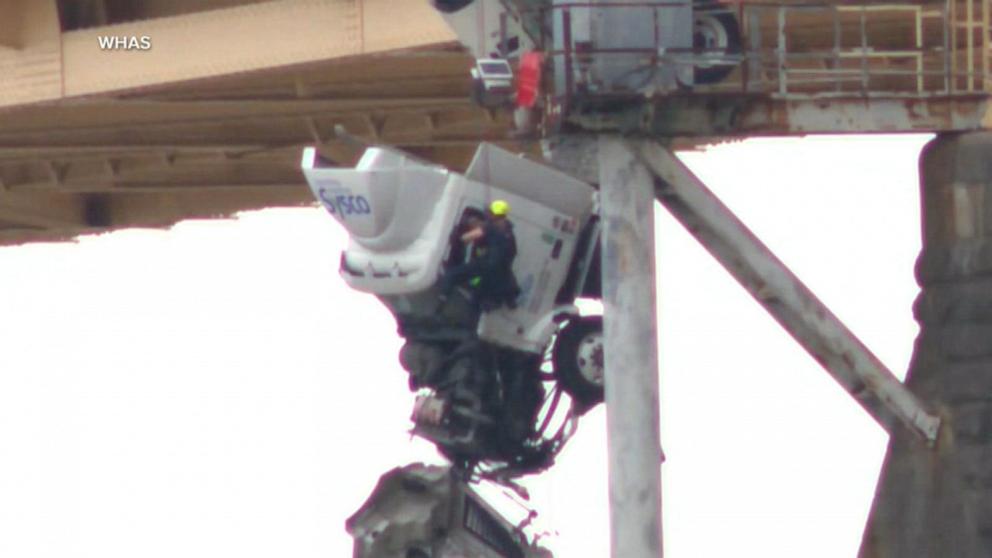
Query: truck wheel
pixel 578 359
pixel 717 33
pixel 451 6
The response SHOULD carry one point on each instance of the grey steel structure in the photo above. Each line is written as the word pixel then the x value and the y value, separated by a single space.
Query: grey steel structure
pixel 598 93
pixel 630 341
pixel 622 71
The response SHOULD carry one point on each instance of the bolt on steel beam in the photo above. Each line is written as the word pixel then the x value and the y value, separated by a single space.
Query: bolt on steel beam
pixel 784 296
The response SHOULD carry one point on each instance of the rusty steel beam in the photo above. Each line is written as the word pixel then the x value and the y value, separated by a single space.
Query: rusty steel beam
pixel 11 153
pixel 199 172
pixel 155 208
pixel 156 128
pixel 109 187
pixel 712 116
pixel 107 114
pixel 190 187
pixel 785 297
pixel 12 236
pixel 44 210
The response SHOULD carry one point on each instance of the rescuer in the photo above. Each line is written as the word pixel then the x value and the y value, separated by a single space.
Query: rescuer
pixel 490 271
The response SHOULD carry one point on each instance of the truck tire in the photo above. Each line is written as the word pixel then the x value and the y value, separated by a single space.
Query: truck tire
pixel 451 6
pixel 716 29
pixel 578 360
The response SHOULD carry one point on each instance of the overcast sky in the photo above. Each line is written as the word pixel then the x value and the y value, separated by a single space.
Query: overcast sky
pixel 217 390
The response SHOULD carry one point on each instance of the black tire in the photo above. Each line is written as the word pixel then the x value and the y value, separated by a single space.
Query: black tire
pixel 569 363
pixel 714 26
pixel 451 6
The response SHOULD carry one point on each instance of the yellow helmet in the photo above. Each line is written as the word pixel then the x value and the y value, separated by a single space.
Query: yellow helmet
pixel 499 208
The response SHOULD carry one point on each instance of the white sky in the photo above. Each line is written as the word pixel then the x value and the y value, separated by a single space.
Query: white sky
pixel 216 389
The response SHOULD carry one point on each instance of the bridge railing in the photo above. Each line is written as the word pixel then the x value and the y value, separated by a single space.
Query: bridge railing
pixel 791 49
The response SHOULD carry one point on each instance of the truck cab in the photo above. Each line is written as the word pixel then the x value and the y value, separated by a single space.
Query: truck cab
pixel 479 366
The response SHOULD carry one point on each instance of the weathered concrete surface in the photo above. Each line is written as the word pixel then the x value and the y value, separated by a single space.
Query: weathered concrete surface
pixel 938 503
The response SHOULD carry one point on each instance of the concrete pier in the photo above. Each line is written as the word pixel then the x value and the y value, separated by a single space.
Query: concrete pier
pixel 937 503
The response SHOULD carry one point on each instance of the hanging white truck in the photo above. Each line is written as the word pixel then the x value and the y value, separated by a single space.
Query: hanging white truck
pixel 488 380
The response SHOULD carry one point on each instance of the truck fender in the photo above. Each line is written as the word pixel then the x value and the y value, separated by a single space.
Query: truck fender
pixel 546 326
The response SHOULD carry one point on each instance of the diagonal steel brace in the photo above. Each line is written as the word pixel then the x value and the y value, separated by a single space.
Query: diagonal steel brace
pixel 784 296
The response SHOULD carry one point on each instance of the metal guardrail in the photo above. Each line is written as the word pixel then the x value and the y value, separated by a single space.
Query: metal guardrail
pixel 812 49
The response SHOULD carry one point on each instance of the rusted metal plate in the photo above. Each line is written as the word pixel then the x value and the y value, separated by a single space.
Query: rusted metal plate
pixel 743 115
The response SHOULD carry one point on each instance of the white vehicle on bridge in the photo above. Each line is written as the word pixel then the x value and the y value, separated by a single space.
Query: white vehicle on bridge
pixel 488 376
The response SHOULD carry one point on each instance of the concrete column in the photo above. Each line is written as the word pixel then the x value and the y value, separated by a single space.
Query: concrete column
pixel 627 197
pixel 938 503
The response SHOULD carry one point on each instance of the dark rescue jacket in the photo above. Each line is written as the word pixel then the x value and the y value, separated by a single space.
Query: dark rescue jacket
pixel 497 250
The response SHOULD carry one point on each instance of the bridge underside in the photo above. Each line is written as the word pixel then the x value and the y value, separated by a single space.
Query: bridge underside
pixel 212 118
pixel 206 149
